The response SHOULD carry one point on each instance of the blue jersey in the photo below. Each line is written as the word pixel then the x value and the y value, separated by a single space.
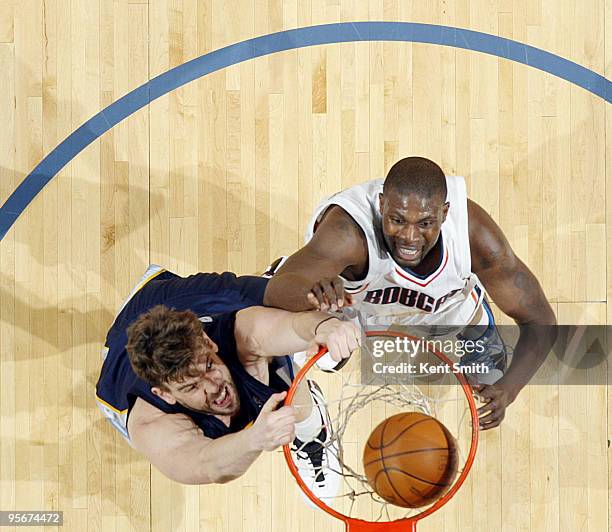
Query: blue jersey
pixel 215 299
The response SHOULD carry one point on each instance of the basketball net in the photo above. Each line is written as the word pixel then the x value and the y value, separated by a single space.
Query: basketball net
pixel 358 398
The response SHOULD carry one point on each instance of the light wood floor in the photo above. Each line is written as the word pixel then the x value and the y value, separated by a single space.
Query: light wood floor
pixel 224 173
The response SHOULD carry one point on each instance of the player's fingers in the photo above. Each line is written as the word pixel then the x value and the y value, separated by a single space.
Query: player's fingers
pixel 352 344
pixel 332 348
pixel 286 439
pixel 348 298
pixel 348 346
pixel 284 434
pixel 336 347
pixel 492 421
pixel 276 424
pixel 487 393
pixel 489 407
pixel 312 349
pixel 274 400
pixel 285 409
pixel 284 428
pixel 313 301
pixel 338 287
pixel 286 424
pixel 330 294
pixel 318 293
pixel 343 347
pixel 487 415
pixel 283 415
pixel 353 337
pixel 494 415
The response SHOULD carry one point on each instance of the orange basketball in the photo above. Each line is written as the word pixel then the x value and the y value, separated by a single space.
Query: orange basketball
pixel 410 459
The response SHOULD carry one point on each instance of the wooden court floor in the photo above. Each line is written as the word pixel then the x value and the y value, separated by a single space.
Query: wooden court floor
pixel 223 173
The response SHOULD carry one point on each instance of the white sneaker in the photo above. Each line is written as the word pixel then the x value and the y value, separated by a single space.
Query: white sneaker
pixel 317 460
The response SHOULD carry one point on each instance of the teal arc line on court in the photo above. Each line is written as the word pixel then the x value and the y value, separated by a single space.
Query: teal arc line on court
pixel 476 41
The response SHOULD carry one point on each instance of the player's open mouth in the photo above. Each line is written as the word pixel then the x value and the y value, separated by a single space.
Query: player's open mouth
pixel 224 399
pixel 408 253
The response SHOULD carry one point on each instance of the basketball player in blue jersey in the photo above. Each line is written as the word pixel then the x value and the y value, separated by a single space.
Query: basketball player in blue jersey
pixel 195 374
pixel 416 249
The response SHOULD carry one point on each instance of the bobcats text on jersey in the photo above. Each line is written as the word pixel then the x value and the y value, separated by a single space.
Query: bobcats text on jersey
pixel 407 297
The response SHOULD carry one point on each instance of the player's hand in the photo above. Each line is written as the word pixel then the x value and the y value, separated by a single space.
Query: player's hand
pixel 329 294
pixel 274 427
pixel 340 337
pixel 497 398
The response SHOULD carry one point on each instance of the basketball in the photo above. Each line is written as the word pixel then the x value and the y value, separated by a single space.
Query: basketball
pixel 410 459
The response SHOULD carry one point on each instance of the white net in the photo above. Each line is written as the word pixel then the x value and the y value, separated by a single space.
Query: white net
pixel 370 388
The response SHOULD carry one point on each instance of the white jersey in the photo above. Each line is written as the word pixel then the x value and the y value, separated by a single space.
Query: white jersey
pixel 449 295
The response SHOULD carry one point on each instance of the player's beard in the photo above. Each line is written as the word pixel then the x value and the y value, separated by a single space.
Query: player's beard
pixel 231 400
pixel 209 407
pixel 424 250
pixel 392 247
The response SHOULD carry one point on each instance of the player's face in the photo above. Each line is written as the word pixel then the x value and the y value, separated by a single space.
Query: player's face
pixel 213 390
pixel 411 225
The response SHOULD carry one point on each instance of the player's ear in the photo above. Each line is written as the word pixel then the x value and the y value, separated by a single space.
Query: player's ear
pixel 209 343
pixel 163 394
pixel 381 202
pixel 445 208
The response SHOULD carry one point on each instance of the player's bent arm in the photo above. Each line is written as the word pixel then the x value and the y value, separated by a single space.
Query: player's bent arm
pixel 176 446
pixel 517 292
pixel 268 332
pixel 337 244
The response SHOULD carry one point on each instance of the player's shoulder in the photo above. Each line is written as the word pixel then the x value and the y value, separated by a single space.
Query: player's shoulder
pixel 148 425
pixel 339 222
pixel 488 244
pixel 479 219
pixel 474 210
pixel 143 418
pixel 339 235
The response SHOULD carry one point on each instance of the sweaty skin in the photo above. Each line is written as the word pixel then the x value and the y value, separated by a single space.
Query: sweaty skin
pixel 309 279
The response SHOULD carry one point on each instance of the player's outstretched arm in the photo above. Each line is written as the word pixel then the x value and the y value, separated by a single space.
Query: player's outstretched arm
pixel 517 293
pixel 267 332
pixel 178 448
pixel 309 278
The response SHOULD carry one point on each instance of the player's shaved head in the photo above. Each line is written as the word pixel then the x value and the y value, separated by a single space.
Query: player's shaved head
pixel 413 208
pixel 418 176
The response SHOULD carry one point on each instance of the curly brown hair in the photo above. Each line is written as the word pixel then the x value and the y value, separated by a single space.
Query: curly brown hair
pixel 163 345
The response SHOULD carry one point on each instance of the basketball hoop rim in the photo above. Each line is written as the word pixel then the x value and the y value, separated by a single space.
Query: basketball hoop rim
pixel 467 390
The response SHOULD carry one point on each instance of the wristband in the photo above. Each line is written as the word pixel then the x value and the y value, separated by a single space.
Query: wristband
pixel 322 322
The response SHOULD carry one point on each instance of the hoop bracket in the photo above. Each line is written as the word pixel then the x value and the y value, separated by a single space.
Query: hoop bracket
pixel 357 525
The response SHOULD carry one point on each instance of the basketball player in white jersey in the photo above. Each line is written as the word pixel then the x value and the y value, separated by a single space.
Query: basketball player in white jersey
pixel 416 247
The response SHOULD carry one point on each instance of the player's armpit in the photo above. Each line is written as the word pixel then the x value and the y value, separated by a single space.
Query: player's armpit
pixel 337 245
pixel 177 447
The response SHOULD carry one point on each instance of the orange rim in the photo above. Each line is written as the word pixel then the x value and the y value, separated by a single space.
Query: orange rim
pixel 467 390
